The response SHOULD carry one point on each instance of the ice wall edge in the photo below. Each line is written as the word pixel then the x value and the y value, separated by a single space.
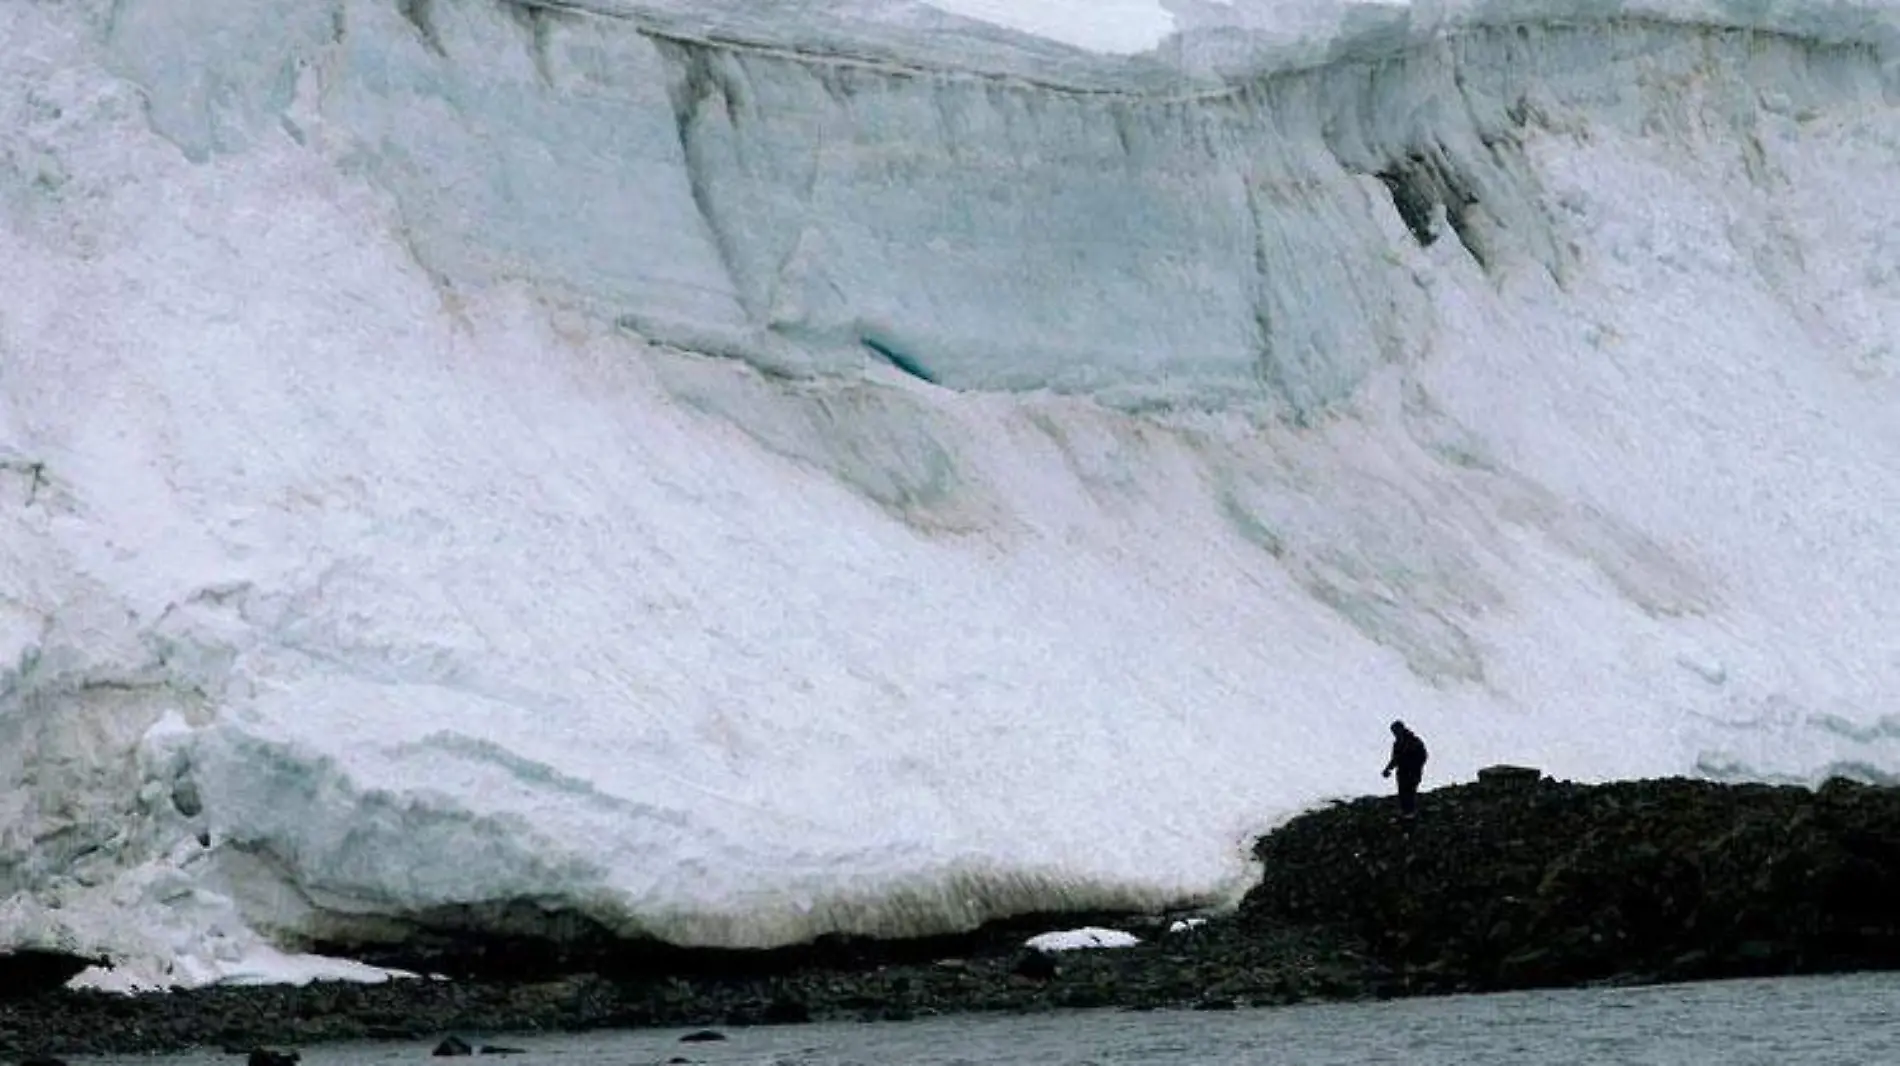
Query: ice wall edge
pixel 1221 242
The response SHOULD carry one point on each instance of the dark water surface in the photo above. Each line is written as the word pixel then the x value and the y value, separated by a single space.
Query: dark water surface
pixel 1824 1020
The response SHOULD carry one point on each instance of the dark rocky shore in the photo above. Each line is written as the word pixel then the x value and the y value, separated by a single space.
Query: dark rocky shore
pixel 1513 882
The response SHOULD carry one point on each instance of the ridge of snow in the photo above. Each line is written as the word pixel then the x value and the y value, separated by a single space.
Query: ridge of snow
pixel 1177 47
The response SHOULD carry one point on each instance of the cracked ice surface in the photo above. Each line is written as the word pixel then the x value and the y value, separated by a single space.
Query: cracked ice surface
pixel 463 452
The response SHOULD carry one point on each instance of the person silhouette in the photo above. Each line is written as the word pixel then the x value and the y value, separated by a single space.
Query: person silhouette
pixel 1408 758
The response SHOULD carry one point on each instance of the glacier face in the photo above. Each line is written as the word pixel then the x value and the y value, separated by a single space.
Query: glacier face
pixel 745 471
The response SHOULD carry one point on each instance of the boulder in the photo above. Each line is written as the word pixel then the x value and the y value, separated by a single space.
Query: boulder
pixel 1035 965
pixel 1506 776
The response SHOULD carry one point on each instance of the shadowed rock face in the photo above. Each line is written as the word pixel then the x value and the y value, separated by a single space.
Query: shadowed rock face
pixel 1509 884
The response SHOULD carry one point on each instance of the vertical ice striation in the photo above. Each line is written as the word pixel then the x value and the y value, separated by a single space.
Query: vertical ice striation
pixel 732 472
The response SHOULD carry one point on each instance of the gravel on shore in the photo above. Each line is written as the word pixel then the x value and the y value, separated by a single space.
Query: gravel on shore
pixel 1516 881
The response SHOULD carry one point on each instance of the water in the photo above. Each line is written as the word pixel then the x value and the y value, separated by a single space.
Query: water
pixel 1849 1021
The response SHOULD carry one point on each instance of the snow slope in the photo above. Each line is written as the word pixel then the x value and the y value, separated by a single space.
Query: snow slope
pixel 740 471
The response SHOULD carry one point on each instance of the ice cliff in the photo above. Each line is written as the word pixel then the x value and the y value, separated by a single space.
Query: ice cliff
pixel 739 471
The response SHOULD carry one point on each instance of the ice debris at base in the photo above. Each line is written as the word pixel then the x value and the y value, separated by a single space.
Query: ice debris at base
pixel 733 472
pixel 1081 939
pixel 263 965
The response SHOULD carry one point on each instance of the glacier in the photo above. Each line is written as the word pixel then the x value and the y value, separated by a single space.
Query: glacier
pixel 734 472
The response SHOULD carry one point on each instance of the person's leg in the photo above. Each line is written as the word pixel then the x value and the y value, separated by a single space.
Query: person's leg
pixel 1408 792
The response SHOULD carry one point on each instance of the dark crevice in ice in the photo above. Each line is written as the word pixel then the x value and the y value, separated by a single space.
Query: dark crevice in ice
pixel 1420 185
pixel 421 15
pixel 901 360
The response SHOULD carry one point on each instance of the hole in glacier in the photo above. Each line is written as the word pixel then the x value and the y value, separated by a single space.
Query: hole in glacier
pixel 1421 184
pixel 1414 200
